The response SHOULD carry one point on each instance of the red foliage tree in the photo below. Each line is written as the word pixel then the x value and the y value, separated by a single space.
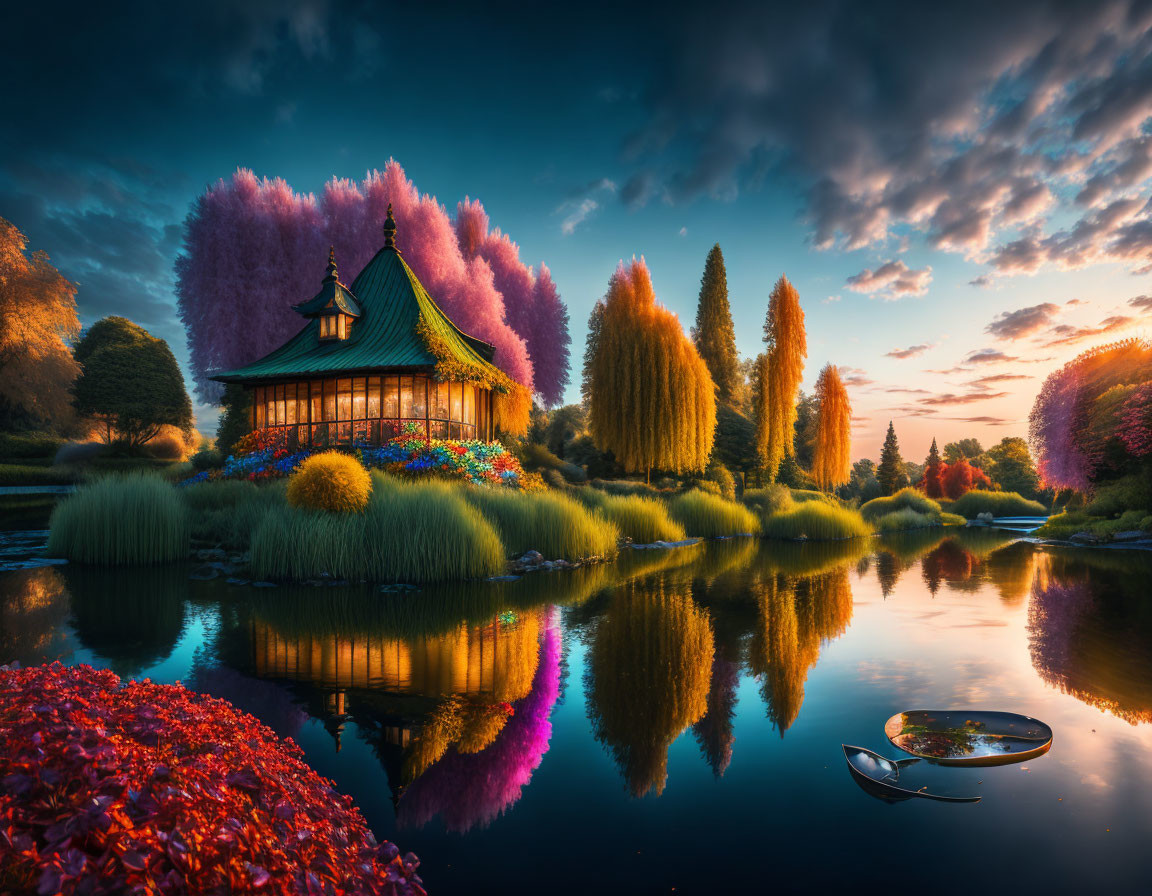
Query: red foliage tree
pixel 961 477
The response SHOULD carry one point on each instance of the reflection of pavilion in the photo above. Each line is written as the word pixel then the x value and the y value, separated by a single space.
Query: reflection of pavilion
pixel 412 699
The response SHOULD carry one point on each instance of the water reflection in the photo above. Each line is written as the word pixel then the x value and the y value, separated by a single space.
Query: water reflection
pixel 1090 630
pixel 130 619
pixel 34 608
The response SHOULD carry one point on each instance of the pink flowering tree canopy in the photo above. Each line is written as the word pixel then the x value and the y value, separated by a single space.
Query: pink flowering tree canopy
pixel 253 247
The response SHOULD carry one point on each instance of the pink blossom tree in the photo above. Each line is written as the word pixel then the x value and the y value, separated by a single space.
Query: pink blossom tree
pixel 254 247
pixel 532 302
pixel 1051 430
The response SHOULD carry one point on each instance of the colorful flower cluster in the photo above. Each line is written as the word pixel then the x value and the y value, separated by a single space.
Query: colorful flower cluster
pixel 258 457
pixel 153 788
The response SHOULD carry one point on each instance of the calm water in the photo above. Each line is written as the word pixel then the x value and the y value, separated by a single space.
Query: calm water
pixel 676 717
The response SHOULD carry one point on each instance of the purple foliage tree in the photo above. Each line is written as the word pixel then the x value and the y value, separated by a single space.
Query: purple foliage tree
pixel 714 732
pixel 253 247
pixel 1052 431
pixel 532 302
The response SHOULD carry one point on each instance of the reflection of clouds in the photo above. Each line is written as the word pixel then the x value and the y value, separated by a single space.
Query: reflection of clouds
pixel 1094 780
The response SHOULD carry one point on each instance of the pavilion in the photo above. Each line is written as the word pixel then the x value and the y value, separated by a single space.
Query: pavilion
pixel 372 358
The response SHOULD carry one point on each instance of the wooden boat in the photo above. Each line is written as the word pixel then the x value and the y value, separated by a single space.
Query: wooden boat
pixel 879 777
pixel 967 737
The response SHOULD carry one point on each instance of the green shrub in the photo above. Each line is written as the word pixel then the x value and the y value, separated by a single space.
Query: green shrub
pixel 207 459
pixel 1128 493
pixel 644 520
pixel 538 458
pixel 415 532
pixel 952 519
pixel 971 504
pixel 909 498
pixel 720 475
pixel 800 495
pixel 705 485
pixel 769 500
pixel 904 519
pixel 121 520
pixel 26 446
pixel 709 516
pixel 816 521
pixel 557 526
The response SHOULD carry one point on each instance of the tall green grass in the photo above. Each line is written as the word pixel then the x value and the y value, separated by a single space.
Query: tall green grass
pixel 710 516
pixel 800 495
pixel 410 532
pixel 130 519
pixel 816 521
pixel 559 527
pixel 906 498
pixel 768 500
pixel 904 519
pixel 644 520
pixel 226 512
pixel 973 503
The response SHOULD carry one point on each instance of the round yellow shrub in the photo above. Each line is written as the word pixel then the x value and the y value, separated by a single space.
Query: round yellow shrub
pixel 331 481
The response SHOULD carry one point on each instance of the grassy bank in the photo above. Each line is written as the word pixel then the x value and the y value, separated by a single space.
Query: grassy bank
pixel 971 504
pixel 816 521
pixel 643 520
pixel 559 527
pixel 705 515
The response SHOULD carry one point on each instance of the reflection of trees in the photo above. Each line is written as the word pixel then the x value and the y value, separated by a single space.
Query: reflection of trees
pixel 468 788
pixel 948 562
pixel 1090 630
pixel 33 609
pixel 269 702
pixel 796 616
pixel 649 669
pixel 1009 569
pixel 714 731
pixel 129 617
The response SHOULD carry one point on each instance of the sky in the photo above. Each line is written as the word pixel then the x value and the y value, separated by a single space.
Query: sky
pixel 959 191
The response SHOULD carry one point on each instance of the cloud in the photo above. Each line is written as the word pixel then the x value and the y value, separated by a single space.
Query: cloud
pixel 1144 303
pixel 1023 321
pixel 1065 334
pixel 683 231
pixel 898 389
pixel 892 280
pixel 830 300
pixel 988 421
pixel 983 281
pixel 582 203
pixel 964 129
pixel 989 356
pixel 949 398
pixel 854 376
pixel 985 381
pixel 911 352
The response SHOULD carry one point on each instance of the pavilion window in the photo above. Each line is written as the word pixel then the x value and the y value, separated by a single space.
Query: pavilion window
pixel 290 404
pixel 317 388
pixel 261 409
pixel 373 398
pixel 419 397
pixel 358 398
pixel 391 397
pixel 335 326
pixel 406 397
pixel 470 404
pixel 344 399
pixel 329 401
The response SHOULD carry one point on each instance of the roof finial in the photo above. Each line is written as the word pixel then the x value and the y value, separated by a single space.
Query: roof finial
pixel 390 230
pixel 331 275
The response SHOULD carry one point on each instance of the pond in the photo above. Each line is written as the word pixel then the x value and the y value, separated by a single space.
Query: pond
pixel 674 721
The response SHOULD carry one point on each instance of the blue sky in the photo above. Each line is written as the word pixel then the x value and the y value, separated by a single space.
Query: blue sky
pixel 971 178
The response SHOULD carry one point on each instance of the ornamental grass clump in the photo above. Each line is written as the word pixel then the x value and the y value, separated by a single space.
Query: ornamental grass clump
pixel 904 519
pixel 971 504
pixel 816 521
pixel 226 512
pixel 333 481
pixel 557 526
pixel 709 516
pixel 910 498
pixel 151 788
pixel 131 519
pixel 414 532
pixel 644 520
pixel 768 500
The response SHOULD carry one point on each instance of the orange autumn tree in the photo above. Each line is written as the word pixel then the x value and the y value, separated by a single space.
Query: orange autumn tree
pixel 787 343
pixel 651 402
pixel 37 318
pixel 830 460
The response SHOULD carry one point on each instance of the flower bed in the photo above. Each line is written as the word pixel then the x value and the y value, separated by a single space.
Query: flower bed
pixel 258 457
pixel 153 788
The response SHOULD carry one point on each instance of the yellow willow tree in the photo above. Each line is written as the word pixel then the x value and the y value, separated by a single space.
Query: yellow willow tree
pixel 787 348
pixel 830 459
pixel 651 399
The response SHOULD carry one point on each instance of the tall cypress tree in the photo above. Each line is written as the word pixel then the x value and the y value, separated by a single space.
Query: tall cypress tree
pixel 714 335
pixel 891 468
pixel 933 470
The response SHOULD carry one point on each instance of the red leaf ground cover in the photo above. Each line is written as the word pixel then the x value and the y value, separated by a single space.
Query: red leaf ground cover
pixel 152 788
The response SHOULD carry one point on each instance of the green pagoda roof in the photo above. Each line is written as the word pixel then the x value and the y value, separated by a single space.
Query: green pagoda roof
pixel 391 303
